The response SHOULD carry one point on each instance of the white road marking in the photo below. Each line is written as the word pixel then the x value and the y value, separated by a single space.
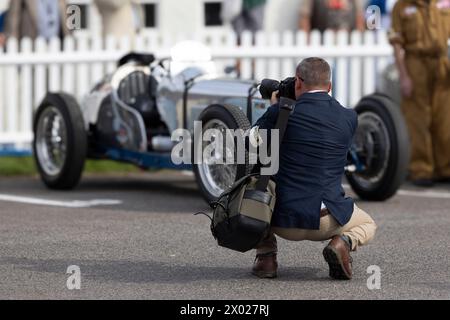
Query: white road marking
pixel 105 202
pixel 419 194
pixel 55 203
pixel 425 194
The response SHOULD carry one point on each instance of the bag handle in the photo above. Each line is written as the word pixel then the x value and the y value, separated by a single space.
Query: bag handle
pixel 286 107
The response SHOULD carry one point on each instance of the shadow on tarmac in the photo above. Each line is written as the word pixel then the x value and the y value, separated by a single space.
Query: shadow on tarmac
pixel 156 272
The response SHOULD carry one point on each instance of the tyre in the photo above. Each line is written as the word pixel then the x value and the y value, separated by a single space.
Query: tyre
pixel 382 147
pixel 214 178
pixel 60 141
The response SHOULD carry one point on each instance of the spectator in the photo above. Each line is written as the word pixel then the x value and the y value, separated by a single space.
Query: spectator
pixel 36 18
pixel 420 32
pixel 251 17
pixel 120 18
pixel 331 14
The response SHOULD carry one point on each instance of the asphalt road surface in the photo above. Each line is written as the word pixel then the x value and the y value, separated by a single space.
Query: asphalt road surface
pixel 135 237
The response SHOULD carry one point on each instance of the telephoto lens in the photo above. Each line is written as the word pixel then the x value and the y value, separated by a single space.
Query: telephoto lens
pixel 286 88
pixel 268 87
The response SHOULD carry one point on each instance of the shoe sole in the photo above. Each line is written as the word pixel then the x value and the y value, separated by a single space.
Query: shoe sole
pixel 334 260
pixel 265 275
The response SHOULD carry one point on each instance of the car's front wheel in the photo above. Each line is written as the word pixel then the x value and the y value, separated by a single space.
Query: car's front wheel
pixel 214 173
pixel 60 141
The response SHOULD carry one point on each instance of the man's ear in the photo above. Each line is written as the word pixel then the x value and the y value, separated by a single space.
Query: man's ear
pixel 330 86
pixel 298 85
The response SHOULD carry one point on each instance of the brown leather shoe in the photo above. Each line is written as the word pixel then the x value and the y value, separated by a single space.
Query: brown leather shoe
pixel 265 266
pixel 337 254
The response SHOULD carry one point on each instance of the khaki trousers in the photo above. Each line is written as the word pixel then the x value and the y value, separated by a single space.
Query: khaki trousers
pixel 360 229
pixel 427 114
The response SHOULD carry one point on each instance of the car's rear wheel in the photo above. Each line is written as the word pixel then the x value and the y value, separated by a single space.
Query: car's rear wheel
pixel 60 141
pixel 382 148
pixel 214 173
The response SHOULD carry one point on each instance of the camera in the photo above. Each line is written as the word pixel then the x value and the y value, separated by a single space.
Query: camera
pixel 286 88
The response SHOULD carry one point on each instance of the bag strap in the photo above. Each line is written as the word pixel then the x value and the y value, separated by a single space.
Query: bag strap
pixel 286 107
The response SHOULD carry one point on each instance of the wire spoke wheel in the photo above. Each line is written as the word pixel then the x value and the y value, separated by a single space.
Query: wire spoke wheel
pixel 60 141
pixel 51 141
pixel 216 170
pixel 219 167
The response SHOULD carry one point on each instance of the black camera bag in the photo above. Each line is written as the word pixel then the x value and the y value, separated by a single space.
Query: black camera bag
pixel 242 215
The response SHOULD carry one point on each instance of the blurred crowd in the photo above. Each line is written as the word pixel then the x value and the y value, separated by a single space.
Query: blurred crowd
pixel 313 14
pixel 46 18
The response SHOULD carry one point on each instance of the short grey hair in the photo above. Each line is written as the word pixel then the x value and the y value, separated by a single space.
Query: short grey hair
pixel 315 72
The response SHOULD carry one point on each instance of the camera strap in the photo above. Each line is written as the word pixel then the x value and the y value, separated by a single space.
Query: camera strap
pixel 286 107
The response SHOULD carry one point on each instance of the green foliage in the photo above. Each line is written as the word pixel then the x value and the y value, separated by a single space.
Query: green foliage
pixel 25 166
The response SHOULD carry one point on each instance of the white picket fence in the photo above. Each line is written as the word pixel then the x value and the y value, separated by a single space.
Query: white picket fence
pixel 28 70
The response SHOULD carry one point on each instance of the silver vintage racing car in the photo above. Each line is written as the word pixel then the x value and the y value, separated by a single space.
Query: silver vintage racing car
pixel 130 115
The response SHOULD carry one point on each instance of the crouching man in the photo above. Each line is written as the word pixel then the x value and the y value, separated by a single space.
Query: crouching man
pixel 311 203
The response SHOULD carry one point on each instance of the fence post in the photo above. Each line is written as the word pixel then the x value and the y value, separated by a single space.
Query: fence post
pixel 82 83
pixel 382 40
pixel 54 73
pixel 97 69
pixel 288 65
pixel 260 64
pixel 12 89
pixel 315 38
pixel 216 43
pixel 274 63
pixel 369 65
pixel 166 41
pixel 26 106
pixel 246 64
pixel 139 44
pixel 355 74
pixel 151 43
pixel 2 95
pixel 125 44
pixel 40 73
pixel 301 42
pixel 230 42
pixel 111 45
pixel 68 68
pixel 342 71
pixel 329 39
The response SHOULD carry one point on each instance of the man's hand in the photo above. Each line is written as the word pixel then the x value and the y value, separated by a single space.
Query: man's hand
pixel 406 85
pixel 255 137
pixel 274 99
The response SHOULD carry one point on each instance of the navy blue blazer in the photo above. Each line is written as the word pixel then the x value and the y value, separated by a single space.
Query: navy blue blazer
pixel 313 156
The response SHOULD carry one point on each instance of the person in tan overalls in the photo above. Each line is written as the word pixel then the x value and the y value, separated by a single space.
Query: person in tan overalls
pixel 420 33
